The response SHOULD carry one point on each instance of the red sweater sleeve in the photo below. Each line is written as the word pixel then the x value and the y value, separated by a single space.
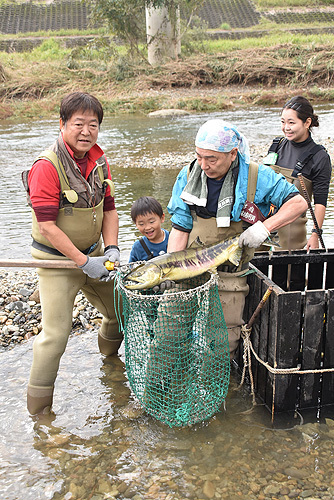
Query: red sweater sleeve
pixel 44 190
pixel 109 203
pixel 44 185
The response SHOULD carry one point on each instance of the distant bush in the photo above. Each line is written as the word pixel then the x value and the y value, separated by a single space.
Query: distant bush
pixel 50 49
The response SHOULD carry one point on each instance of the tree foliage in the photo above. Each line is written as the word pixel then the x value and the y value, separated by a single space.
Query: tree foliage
pixel 125 19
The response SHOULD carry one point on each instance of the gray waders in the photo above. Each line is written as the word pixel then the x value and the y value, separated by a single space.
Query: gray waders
pixel 232 286
pixel 58 289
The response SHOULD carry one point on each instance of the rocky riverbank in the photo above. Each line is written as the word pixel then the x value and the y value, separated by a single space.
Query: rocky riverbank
pixel 20 309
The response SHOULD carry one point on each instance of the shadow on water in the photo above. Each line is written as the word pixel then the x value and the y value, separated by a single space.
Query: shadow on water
pixel 99 443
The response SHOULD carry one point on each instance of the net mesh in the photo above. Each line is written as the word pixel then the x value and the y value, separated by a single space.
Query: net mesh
pixel 176 349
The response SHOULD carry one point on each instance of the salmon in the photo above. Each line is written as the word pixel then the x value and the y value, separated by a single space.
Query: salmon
pixel 184 264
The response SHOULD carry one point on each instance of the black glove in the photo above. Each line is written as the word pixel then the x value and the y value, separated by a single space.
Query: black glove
pixel 165 285
pixel 95 267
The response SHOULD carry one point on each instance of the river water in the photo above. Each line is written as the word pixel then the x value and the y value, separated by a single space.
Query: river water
pixel 100 444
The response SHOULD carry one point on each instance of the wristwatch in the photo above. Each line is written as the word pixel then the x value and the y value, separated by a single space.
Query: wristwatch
pixel 314 230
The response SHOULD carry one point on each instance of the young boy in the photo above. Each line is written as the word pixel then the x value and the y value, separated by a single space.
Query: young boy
pixel 147 214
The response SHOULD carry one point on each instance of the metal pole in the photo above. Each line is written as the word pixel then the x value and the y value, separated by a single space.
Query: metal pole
pixel 52 264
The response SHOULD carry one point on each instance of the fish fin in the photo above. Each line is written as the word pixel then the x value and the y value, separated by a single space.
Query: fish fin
pixel 247 272
pixel 271 241
pixel 164 274
pixel 235 260
pixel 197 243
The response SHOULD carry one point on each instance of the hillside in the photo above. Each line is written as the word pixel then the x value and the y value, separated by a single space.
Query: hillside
pixel 267 51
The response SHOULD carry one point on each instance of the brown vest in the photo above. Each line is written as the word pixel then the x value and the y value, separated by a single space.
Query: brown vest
pixel 78 217
pixel 293 236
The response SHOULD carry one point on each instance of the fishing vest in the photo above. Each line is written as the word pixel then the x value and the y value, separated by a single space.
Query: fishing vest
pixel 80 213
pixel 294 235
pixel 208 232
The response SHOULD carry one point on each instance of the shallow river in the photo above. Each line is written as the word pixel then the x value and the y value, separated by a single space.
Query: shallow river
pixel 99 444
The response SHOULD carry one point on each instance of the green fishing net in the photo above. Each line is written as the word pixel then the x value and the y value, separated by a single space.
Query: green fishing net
pixel 176 349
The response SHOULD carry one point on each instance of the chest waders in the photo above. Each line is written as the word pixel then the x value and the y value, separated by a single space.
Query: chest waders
pixel 232 286
pixel 74 211
pixel 59 287
pixel 293 236
pixel 72 226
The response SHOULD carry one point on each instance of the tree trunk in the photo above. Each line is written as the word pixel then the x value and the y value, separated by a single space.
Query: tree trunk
pixel 163 35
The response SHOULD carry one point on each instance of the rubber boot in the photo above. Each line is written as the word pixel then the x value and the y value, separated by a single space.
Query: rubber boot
pixel 39 400
pixel 108 346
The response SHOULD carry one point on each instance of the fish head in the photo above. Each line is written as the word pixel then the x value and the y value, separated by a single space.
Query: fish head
pixel 142 277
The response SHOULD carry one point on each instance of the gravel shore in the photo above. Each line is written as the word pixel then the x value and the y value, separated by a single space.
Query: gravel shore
pixel 20 309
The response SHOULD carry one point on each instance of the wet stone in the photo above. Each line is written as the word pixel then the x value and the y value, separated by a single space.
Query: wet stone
pixel 307 494
pixel 24 292
pixel 209 489
pixel 20 314
pixel 296 473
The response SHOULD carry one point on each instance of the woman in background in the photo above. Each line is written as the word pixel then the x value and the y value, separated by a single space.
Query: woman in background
pixel 298 153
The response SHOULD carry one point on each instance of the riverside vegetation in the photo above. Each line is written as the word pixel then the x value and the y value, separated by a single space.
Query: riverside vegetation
pixel 211 74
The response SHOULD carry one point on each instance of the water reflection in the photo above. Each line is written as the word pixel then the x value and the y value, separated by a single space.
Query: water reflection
pixel 99 443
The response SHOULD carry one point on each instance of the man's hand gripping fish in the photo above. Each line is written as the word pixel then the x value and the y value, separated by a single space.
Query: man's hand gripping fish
pixel 184 264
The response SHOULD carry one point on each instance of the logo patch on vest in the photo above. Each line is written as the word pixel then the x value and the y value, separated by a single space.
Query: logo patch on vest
pixel 251 213
pixel 68 210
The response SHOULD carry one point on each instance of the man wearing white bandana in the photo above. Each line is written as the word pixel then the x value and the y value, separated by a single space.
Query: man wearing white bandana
pixel 209 199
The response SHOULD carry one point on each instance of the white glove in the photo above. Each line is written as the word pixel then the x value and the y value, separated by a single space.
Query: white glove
pixel 95 267
pixel 254 236
pixel 113 253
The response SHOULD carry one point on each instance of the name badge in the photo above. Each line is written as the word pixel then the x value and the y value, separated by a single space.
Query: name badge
pixel 270 159
pixel 251 213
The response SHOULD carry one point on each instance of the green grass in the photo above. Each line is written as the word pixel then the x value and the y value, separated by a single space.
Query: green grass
pixel 215 46
pixel 73 32
pixel 267 24
pixel 284 4
pixel 49 50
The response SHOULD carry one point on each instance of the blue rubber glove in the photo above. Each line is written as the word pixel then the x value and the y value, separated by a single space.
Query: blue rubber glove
pixel 112 253
pixel 95 267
